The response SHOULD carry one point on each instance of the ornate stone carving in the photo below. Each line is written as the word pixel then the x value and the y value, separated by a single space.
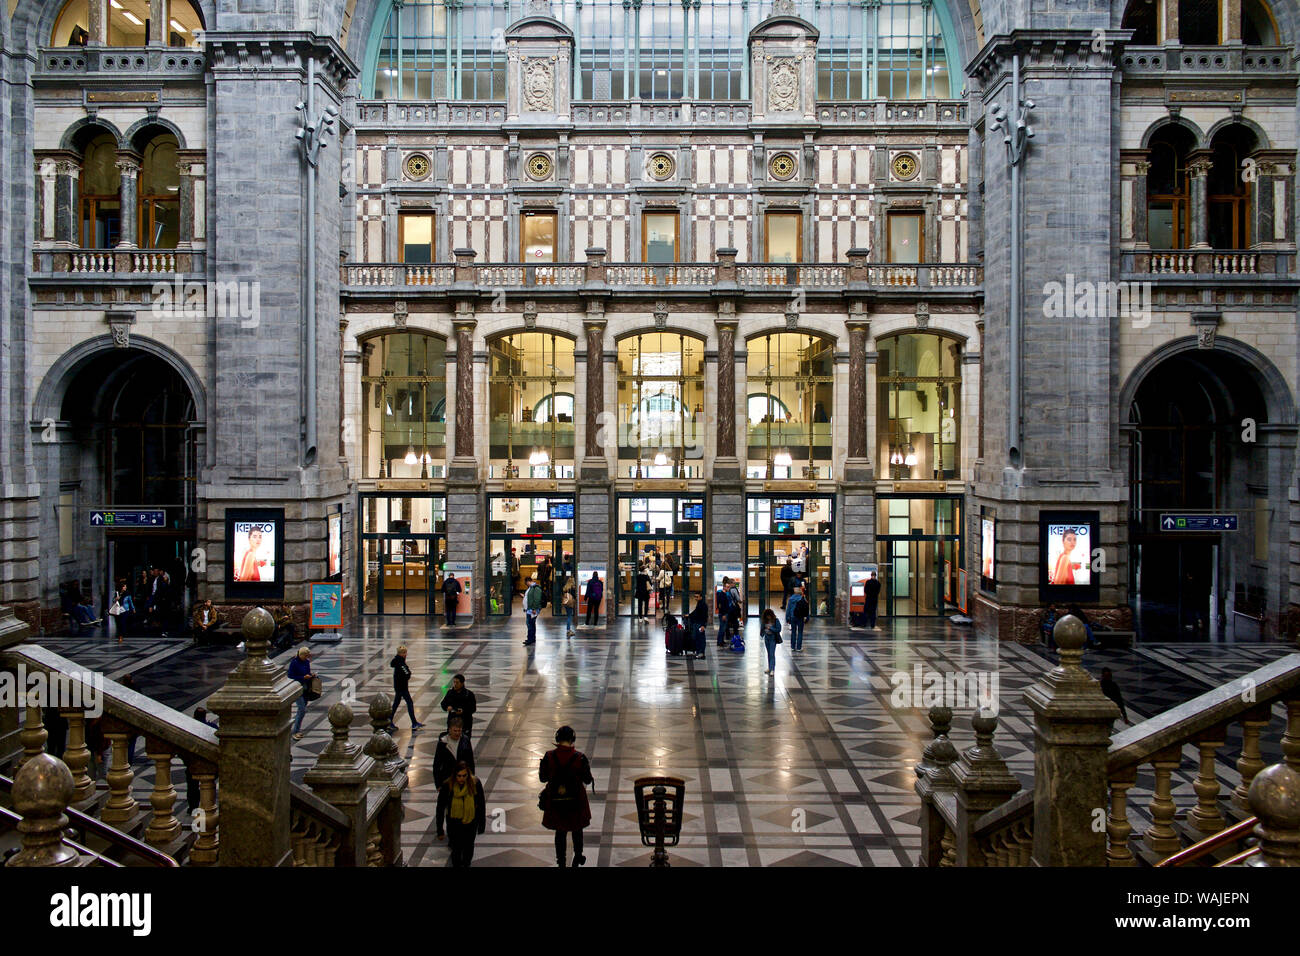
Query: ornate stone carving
pixel 923 315
pixel 119 326
pixel 661 314
pixel 1207 326
pixel 782 84
pixel 530 314
pixel 791 321
pixel 539 84
pixel 399 314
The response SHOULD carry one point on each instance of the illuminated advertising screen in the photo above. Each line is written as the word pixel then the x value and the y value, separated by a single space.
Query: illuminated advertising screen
pixel 255 553
pixel 988 552
pixel 788 511
pixel 1066 540
pixel 334 546
pixel 559 510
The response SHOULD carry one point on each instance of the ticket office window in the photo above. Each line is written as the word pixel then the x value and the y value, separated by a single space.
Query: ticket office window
pixel 538 237
pixel 415 238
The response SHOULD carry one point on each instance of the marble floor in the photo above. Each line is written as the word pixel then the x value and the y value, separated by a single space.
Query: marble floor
pixel 811 767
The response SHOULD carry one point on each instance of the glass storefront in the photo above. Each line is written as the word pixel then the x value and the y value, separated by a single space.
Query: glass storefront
pixel 920 553
pixel 790 381
pixel 661 418
pixel 528 536
pixel 788 541
pixel 531 405
pixel 918 424
pixel 403 545
pixel 404 406
pixel 671 528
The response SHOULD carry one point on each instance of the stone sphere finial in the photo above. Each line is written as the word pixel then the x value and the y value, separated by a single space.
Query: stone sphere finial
pixel 984 723
pixel 42 790
pixel 381 709
pixel 940 719
pixel 1274 797
pixel 340 716
pixel 257 627
pixel 1070 634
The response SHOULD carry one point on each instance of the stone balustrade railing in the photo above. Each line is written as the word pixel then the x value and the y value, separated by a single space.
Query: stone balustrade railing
pixel 962 278
pixel 135 63
pixel 1203 263
pixel 348 813
pixel 116 262
pixel 1200 60
pixel 975 814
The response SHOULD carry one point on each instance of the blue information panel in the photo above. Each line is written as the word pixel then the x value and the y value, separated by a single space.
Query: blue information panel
pixel 1175 522
pixel 692 510
pixel 559 510
pixel 788 511
pixel 128 519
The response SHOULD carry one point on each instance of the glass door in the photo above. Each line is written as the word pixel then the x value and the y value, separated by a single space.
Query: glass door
pixel 401 570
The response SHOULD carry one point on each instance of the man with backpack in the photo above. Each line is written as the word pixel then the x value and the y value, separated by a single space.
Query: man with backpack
pixel 796 614
pixel 532 608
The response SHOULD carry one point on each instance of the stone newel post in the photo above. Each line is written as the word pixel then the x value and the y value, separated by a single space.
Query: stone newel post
pixel 340 778
pixel 1072 722
pixel 254 707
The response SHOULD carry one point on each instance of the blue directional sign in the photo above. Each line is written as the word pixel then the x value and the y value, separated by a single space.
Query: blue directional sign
pixel 1175 522
pixel 128 519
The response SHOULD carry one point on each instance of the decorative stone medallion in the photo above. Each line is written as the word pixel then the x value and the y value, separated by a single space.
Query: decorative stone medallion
pixel 783 85
pixel 661 166
pixel 539 85
pixel 906 166
pixel 782 166
pixel 418 166
pixel 539 166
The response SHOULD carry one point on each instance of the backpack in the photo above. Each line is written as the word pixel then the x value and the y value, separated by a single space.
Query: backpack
pixel 801 610
pixel 738 644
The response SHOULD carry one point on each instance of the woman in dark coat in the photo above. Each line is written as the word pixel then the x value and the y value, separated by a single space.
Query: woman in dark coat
pixel 643 589
pixel 463 808
pixel 566 772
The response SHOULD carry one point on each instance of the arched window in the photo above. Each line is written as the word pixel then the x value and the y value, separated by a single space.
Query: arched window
pixel 126 23
pixel 1167 188
pixel 660 49
pixel 1142 17
pixel 404 406
pixel 790 381
pixel 660 405
pixel 530 405
pixel 918 405
pixel 101 201
pixel 1228 194
pixel 1257 26
pixel 159 188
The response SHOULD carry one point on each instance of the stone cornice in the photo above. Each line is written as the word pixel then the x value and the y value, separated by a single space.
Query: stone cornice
pixel 1049 49
pixel 240 51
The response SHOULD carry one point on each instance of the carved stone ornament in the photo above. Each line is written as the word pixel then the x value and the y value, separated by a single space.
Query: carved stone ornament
pixel 661 315
pixel 791 321
pixel 1207 326
pixel 119 326
pixel 782 85
pixel 530 315
pixel 923 315
pixel 539 85
pixel 399 313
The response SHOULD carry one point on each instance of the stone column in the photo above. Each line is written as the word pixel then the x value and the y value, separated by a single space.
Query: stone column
pixel 128 167
pixel 98 23
pixel 186 199
pixel 726 463
pixel 1230 20
pixel 67 202
pixel 340 779
pixel 255 708
pixel 1140 236
pixel 857 466
pixel 1198 167
pixel 158 25
pixel 1072 721
pixel 464 451
pixel 593 461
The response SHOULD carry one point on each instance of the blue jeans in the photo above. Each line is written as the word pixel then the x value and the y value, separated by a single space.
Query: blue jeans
pixel 770 641
pixel 796 635
pixel 302 712
pixel 531 618
pixel 568 619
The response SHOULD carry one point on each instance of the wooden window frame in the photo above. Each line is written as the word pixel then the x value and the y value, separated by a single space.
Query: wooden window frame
pixel 677 234
pixel 524 216
pixel 919 215
pixel 401 233
pixel 798 234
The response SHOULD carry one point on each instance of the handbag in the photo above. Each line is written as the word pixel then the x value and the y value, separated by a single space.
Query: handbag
pixel 116 609
pixel 313 691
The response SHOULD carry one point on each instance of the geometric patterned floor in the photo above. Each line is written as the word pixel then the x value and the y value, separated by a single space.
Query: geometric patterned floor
pixel 812 767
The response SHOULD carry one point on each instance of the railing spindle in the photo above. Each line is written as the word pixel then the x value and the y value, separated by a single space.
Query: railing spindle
pixel 163 826
pixel 1206 815
pixel 1160 836
pixel 1250 762
pixel 77 755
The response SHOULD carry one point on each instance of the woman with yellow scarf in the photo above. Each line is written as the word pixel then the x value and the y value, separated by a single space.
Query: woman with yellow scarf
pixel 462 806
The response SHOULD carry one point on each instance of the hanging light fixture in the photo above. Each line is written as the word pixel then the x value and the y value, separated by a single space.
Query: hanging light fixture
pixel 539 457
pixel 910 460
pixel 661 459
pixel 783 458
pixel 410 458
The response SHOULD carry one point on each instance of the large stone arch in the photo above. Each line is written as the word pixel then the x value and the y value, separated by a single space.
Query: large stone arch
pixel 34 20
pixel 1286 14
pixel 1182 121
pixel 74 132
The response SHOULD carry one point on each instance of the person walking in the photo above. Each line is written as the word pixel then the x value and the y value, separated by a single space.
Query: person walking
pixel 453 748
pixel 736 615
pixel 570 605
pixel 300 670
pixel 665 590
pixel 796 615
pixel 871 591
pixel 723 610
pixel 771 637
pixel 545 578
pixel 595 594
pixel 125 617
pixel 788 579
pixel 450 598
pixel 566 772
pixel 460 703
pixel 462 806
pixel 401 690
pixel 643 589
pixel 532 608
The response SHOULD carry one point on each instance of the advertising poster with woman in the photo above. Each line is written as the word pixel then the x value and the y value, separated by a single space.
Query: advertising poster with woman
pixel 1069 552
pixel 334 546
pixel 255 557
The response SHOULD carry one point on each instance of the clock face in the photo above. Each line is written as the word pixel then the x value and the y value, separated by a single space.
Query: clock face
pixel 905 166
pixel 539 166
pixel 782 166
pixel 418 166
pixel 662 166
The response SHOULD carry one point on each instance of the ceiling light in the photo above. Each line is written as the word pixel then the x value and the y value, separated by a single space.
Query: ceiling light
pixel 661 459
pixel 783 459
pixel 410 456
pixel 116 5
pixel 178 28
pixel 133 18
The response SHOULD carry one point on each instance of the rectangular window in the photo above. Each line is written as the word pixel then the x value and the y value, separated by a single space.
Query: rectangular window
pixel 415 237
pixel 538 237
pixel 784 235
pixel 906 237
pixel 659 236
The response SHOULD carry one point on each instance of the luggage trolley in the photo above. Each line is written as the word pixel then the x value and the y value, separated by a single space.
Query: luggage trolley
pixel 659 813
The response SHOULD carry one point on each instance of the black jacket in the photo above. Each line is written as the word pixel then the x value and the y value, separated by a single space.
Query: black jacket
pixel 444 761
pixel 444 806
pixel 787 578
pixel 465 701
pixel 401 674
pixel 700 616
pixel 871 589
pixel 451 586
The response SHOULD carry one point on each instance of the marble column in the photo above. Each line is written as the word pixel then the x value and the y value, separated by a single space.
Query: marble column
pixel 857 465
pixel 593 463
pixel 1140 236
pixel 98 13
pixel 726 464
pixel 255 710
pixel 158 25
pixel 1198 167
pixel 464 326
pixel 186 201
pixel 128 167
pixel 979 327
pixel 67 203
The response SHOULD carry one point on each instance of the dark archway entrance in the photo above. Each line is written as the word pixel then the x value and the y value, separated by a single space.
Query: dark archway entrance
pixel 1193 449
pixel 129 442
